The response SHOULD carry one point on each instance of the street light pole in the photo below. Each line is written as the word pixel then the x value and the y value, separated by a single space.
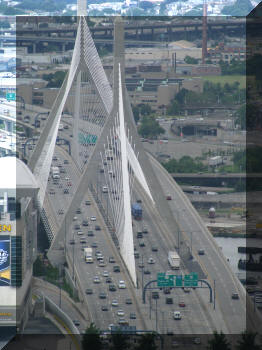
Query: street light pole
pixel 156 314
pixel 142 273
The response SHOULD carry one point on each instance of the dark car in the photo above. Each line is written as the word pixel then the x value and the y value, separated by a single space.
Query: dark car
pixel 85 223
pixel 132 316
pixel 112 287
pixel 87 202
pixel 94 245
pixel 116 268
pixel 155 295
pixel 112 259
pixel 66 161
pixel 136 254
pixel 97 228
pixel 72 241
pixel 154 249
pixel 77 227
pixel 169 300
pixel 129 301
pixel 102 295
pixel 166 290
pixel 201 252
pixel 76 323
pixel 139 201
pixel 145 230
pixel 90 233
pixel 89 291
pixel 104 308
pixel 139 235
pixel 108 280
pixel 147 272
pixel 78 211
pixel 66 191
pixel 142 244
pixel 235 296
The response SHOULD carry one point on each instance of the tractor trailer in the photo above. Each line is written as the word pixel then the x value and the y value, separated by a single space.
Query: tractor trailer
pixel 88 255
pixel 174 260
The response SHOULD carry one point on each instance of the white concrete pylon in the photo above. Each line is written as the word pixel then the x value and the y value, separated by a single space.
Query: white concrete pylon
pixel 81 7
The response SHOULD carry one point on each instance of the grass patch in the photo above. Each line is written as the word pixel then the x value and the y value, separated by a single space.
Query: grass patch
pixel 230 79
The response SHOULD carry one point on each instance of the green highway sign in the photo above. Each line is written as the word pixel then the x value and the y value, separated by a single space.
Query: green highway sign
pixel 178 280
pixel 11 96
pixel 191 280
pixel 165 281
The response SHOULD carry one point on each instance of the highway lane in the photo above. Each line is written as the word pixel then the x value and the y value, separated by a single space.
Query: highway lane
pixel 213 262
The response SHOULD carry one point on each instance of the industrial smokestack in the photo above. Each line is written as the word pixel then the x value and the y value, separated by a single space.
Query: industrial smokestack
pixel 204 32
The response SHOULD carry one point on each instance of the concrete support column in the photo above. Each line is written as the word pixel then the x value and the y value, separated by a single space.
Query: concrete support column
pixel 34 48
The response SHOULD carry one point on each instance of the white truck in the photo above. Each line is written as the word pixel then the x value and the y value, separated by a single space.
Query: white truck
pixel 174 260
pixel 213 161
pixel 88 255
pixel 55 172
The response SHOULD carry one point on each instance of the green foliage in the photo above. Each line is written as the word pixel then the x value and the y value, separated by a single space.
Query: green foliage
pixel 141 109
pixel 55 80
pixel 91 339
pixel 38 268
pixel 186 164
pixel 219 342
pixel 191 60
pixel 147 342
pixel 150 127
pixel 248 341
pixel 233 68
pixel 119 341
pixel 239 8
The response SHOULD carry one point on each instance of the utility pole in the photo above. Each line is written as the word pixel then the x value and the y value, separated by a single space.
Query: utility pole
pixel 204 32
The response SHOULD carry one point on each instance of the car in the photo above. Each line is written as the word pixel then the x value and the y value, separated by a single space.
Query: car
pixel 169 300
pixel 151 261
pixel 77 227
pixel 108 280
pixel 66 191
pixel 111 259
pixel 147 272
pixel 139 235
pixel 154 249
pixel 235 296
pixel 114 303
pixel 54 158
pixel 136 255
pixel 90 233
pixel 62 171
pixel 80 233
pixel 76 323
pixel 51 191
pixel 94 245
pixel 166 290
pixel 75 218
pixel 87 202
pixel 72 241
pixel 85 222
pixel 104 308
pixel 105 274
pixel 83 241
pixel 182 304
pixel 155 295
pixel 168 198
pixel 101 170
pixel 112 288
pixel 132 316
pixel 197 341
pixel 102 295
pixel 93 218
pixel 120 313
pixel 111 326
pixel 66 161
pixel 139 200
pixel 177 315
pixel 116 268
pixel 145 230
pixel 201 252
pixel 102 264
pixel 128 301
pixel 186 290
pixel 96 279
pixel 142 244
pixel 97 253
pixel 123 322
pixel 121 285
pixel 61 211
pixel 78 211
pixel 66 127
pixel 89 291
pixel 97 228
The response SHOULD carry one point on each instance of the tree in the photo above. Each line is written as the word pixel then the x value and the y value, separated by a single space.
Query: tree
pixel 219 342
pixel 91 339
pixel 240 8
pixel 241 117
pixel 191 60
pixel 150 127
pixel 147 342
pixel 120 341
pixel 248 341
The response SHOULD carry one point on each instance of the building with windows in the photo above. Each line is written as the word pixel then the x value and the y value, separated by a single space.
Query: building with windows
pixel 18 241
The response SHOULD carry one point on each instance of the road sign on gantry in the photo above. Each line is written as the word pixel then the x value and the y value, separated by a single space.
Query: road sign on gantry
pixel 178 280
pixel 191 280
pixel 164 280
pixel 11 96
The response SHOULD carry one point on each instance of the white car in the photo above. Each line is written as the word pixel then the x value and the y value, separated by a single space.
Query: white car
pixel 114 303
pixel 96 279
pixel 121 285
pixel 93 218
pixel 151 261
pixel 105 274
pixel 177 315
pixel 80 233
pixel 110 326
pixel 74 218
pixel 120 313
